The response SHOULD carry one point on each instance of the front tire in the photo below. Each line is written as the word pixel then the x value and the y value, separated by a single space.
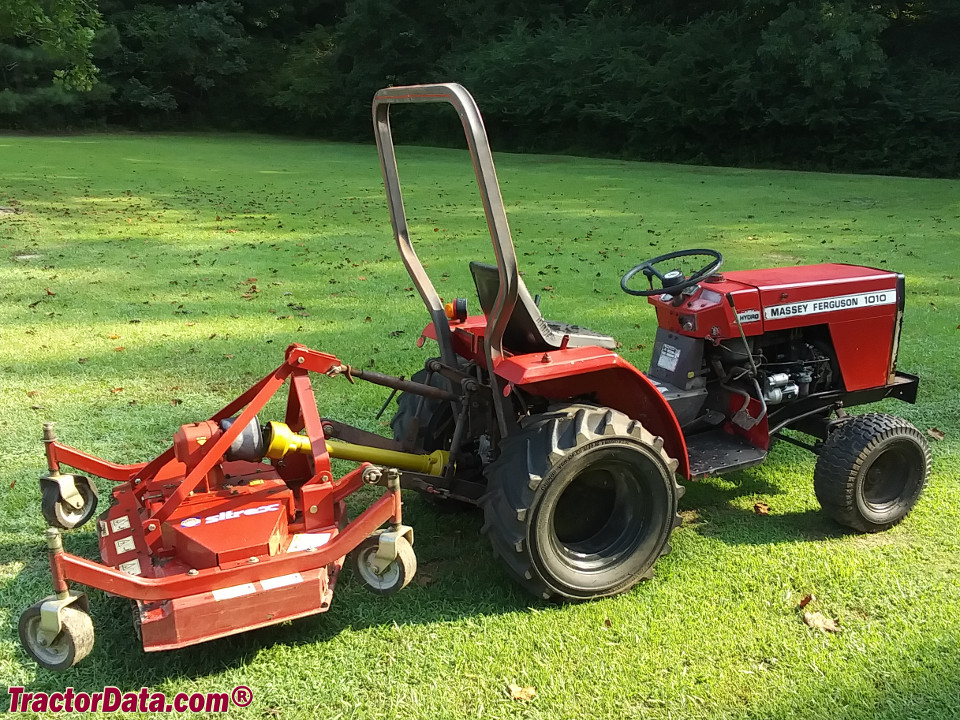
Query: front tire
pixel 871 471
pixel 581 503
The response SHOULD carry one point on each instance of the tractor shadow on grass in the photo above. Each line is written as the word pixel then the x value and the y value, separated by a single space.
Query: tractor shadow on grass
pixel 712 510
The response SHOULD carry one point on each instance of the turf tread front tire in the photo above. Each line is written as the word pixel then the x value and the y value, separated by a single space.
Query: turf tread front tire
pixel 850 454
pixel 539 456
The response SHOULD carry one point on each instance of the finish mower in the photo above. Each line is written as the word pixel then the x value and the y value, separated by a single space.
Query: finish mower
pixel 572 453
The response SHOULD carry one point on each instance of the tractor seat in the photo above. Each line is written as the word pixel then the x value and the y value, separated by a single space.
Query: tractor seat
pixel 528 331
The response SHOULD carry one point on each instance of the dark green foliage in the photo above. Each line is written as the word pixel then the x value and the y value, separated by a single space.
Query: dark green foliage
pixel 839 84
pixel 63 28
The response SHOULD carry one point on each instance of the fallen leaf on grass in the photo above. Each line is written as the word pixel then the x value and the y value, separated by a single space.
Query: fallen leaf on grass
pixel 32 393
pixel 807 600
pixel 423 580
pixel 119 348
pixel 607 623
pixel 396 333
pixel 521 693
pixel 176 401
pixel 761 508
pixel 50 292
pixel 116 390
pixel 83 361
pixel 113 336
pixel 818 622
pixel 936 433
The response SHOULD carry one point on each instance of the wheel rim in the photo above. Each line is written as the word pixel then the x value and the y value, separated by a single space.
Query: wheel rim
pixel 70 516
pixel 389 578
pixel 57 653
pixel 604 522
pixel 893 476
pixel 599 517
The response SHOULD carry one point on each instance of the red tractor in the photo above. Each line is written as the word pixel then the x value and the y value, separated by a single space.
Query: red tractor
pixel 572 453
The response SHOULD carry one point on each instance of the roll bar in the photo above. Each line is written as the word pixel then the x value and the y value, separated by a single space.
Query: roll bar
pixel 493 209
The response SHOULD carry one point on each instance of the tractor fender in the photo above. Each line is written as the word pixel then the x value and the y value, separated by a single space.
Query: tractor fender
pixel 604 375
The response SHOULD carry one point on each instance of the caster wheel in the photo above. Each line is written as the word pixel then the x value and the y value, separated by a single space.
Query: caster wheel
pixel 59 513
pixel 396 576
pixel 72 645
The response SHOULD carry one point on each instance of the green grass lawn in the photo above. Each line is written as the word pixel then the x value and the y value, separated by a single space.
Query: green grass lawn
pixel 145 281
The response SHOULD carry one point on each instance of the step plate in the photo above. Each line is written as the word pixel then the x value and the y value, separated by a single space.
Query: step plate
pixel 716 452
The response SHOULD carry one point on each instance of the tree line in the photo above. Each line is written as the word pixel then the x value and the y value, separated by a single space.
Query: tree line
pixel 824 84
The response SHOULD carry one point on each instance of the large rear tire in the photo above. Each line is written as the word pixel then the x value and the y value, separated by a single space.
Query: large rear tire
pixel 581 503
pixel 425 424
pixel 434 418
pixel 871 471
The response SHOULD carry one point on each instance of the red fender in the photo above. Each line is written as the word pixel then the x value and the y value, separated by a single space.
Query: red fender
pixel 562 374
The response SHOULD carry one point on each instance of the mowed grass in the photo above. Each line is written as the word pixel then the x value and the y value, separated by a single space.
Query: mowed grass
pixel 146 281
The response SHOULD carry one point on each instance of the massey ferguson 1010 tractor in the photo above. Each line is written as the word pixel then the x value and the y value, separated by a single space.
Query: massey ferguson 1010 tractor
pixel 572 453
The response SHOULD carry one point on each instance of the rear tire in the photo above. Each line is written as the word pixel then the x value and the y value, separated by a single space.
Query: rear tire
pixel 581 503
pixel 871 471
pixel 434 431
pixel 435 417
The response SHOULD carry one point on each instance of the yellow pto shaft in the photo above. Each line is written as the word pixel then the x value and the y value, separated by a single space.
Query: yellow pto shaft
pixel 282 440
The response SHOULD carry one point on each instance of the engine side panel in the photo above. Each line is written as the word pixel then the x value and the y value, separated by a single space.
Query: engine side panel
pixel 859 306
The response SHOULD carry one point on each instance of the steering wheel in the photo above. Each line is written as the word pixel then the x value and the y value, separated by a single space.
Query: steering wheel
pixel 673 281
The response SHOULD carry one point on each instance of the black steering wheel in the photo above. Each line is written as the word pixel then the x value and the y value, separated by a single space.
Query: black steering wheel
pixel 674 281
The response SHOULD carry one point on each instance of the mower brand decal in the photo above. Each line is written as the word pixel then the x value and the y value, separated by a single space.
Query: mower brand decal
pixel 131 567
pixel 748 316
pixel 282 581
pixel 125 545
pixel 236 591
pixel 669 355
pixel 229 515
pixel 120 523
pixel 831 304
pixel 308 541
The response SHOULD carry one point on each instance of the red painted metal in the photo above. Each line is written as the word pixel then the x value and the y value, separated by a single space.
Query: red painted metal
pixel 567 373
pixel 857 305
pixel 209 546
pixel 615 383
pixel 115 581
